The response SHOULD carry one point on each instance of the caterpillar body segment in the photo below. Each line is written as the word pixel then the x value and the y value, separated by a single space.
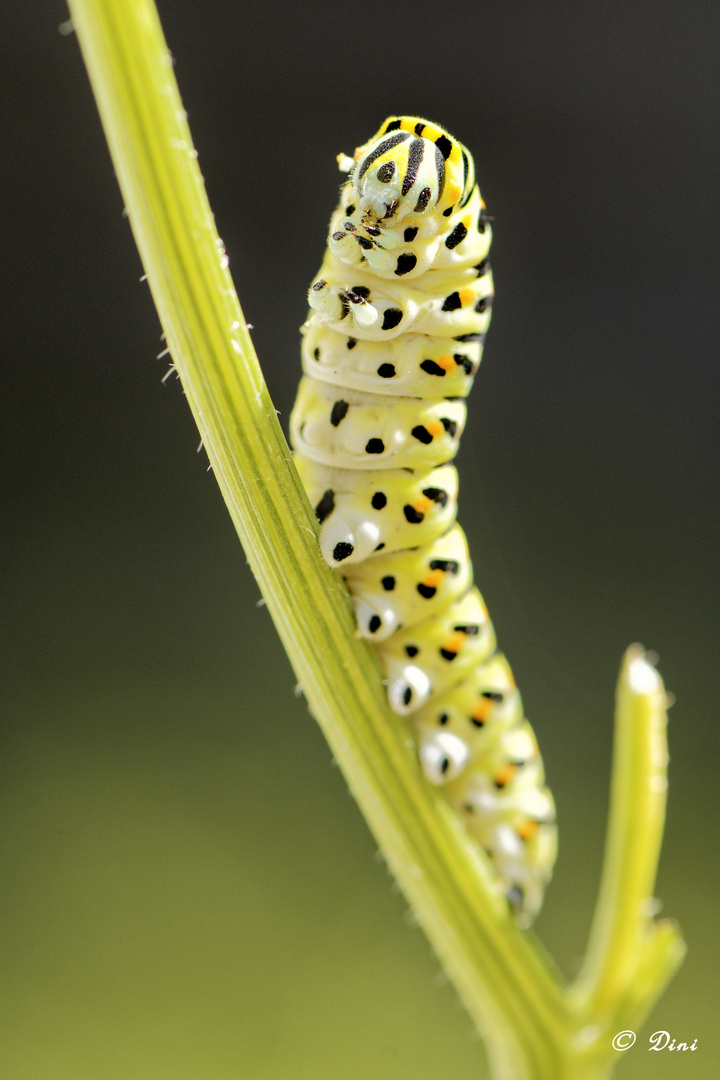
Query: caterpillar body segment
pixel 408 587
pixel 477 710
pixel 398 317
pixel 432 656
pixel 448 303
pixel 409 366
pixel 364 513
pixel 354 430
pixel 423 242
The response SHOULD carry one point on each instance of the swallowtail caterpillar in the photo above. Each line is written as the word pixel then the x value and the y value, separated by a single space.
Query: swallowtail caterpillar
pixel 399 313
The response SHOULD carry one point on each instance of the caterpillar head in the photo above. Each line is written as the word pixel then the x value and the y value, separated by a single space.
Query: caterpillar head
pixel 409 167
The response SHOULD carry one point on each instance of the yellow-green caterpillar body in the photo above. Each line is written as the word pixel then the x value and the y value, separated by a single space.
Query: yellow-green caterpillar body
pixel 399 313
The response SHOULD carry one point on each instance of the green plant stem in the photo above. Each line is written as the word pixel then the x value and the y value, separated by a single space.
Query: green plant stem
pixel 625 940
pixel 515 998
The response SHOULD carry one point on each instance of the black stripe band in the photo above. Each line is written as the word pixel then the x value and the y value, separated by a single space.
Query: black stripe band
pixel 415 156
pixel 440 166
pixel 386 144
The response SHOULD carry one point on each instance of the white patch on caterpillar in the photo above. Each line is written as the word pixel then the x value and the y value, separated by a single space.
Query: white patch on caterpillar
pixel 443 757
pixel 362 539
pixel 366 613
pixel 408 689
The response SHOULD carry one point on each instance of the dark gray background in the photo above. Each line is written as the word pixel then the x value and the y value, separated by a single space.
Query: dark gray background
pixel 188 891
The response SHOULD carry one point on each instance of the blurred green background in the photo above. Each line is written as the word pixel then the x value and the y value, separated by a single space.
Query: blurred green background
pixel 188 892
